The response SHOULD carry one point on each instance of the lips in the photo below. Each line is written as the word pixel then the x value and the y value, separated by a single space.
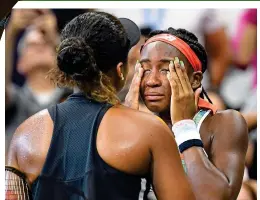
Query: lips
pixel 153 96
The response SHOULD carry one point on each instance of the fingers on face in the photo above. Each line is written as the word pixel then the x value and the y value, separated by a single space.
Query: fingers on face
pixel 173 79
pixel 135 85
pixel 182 75
pixel 179 78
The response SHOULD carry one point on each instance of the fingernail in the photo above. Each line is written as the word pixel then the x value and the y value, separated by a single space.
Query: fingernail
pixel 168 75
pixel 140 70
pixel 171 64
pixel 182 64
pixel 137 65
pixel 176 60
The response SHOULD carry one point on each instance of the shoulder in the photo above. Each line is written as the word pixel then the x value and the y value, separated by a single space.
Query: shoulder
pixel 30 142
pixel 231 118
pixel 35 124
pixel 146 123
pixel 230 124
pixel 132 136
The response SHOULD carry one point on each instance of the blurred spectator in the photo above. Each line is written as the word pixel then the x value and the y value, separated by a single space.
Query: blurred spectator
pixel 248 191
pixel 245 56
pixel 245 42
pixel 242 72
pixel 36 56
pixel 245 50
pixel 63 16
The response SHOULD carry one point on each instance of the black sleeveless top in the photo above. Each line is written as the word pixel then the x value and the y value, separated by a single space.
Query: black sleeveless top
pixel 73 169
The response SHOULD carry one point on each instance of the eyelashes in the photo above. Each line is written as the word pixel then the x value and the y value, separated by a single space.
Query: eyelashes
pixel 162 71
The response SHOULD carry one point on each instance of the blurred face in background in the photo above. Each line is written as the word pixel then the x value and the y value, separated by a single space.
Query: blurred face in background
pixel 35 53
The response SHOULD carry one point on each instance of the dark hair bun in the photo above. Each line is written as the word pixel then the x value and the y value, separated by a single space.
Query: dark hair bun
pixel 76 58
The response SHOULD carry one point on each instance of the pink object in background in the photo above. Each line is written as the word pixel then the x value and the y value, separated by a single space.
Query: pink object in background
pixel 249 16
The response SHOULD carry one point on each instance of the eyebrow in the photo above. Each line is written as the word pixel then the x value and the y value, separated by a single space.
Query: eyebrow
pixel 145 60
pixel 162 60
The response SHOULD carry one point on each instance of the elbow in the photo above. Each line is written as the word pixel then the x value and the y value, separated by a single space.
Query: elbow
pixel 222 191
pixel 227 192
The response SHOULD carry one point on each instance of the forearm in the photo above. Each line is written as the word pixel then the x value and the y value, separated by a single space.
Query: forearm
pixel 218 68
pixel 206 180
pixel 247 45
pixel 10 38
pixel 220 55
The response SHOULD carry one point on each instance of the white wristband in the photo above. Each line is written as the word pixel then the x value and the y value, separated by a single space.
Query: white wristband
pixel 185 130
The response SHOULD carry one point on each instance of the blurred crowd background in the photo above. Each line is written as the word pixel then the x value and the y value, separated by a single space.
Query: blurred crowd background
pixel 229 36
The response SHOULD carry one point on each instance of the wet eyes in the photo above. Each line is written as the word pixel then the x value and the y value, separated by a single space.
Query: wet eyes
pixel 162 71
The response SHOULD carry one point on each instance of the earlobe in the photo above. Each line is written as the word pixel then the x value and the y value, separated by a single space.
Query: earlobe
pixel 196 80
pixel 119 69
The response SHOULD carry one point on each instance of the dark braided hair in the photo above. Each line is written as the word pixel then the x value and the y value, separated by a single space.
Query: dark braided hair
pixel 91 44
pixel 192 41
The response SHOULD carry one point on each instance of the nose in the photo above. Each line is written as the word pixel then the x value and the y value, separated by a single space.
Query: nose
pixel 153 79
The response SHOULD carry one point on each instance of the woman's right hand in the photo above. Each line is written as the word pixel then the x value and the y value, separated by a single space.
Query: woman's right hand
pixel 21 18
pixel 132 97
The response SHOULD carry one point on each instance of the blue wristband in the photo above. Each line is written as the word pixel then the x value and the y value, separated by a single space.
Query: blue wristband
pixel 190 143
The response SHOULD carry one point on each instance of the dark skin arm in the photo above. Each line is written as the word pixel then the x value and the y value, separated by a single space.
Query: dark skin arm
pixel 225 166
pixel 152 151
pixel 220 176
pixel 169 179
pixel 218 50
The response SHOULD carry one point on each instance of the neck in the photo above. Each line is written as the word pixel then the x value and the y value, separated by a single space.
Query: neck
pixel 166 117
pixel 38 82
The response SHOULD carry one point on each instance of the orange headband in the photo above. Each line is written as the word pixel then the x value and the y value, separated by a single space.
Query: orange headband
pixel 181 46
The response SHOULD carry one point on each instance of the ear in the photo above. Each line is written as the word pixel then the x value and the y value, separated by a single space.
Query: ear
pixel 119 69
pixel 196 79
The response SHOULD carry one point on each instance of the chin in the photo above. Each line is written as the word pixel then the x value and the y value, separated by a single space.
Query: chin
pixel 156 107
